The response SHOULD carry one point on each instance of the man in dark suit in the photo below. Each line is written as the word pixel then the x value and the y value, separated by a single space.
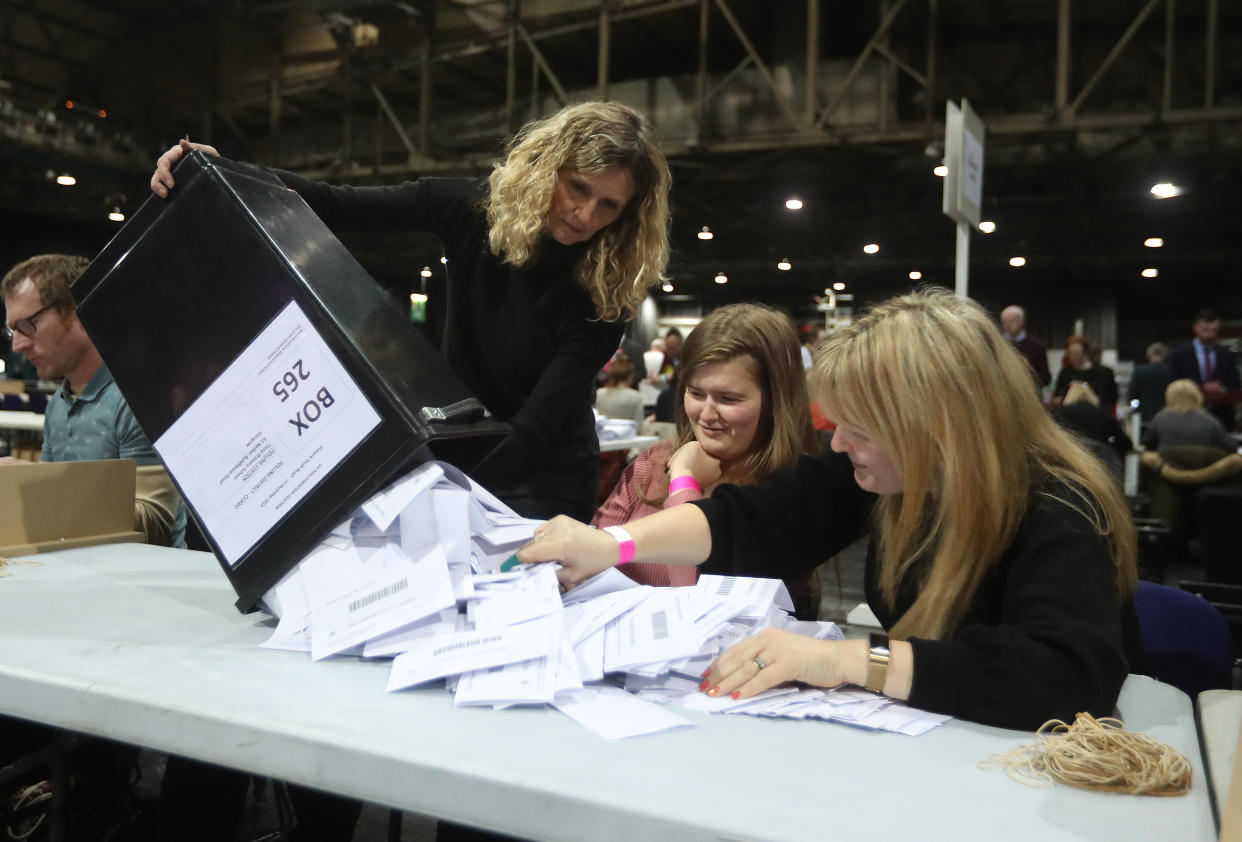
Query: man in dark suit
pixel 1013 322
pixel 1149 381
pixel 1214 367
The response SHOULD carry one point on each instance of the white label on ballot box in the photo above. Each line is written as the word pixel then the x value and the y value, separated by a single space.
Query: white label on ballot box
pixel 271 428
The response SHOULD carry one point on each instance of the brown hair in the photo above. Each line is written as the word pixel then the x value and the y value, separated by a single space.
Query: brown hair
pixel 621 372
pixel 53 276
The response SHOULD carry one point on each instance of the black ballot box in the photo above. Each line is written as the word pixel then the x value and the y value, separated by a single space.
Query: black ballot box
pixel 280 385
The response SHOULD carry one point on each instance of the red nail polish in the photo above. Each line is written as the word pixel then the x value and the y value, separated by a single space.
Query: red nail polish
pixel 715 691
pixel 706 673
pixel 703 684
pixel 737 694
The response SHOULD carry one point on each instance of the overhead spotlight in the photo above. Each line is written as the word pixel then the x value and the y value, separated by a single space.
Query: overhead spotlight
pixel 941 170
pixel 115 215
pixel 794 203
pixel 839 285
pixel 784 265
pixel 103 114
pixel 721 278
pixel 1154 242
pixel 1017 262
pixel 916 276
pixel 705 233
pixel 66 180
pixel 871 248
pixel 426 273
pixel 987 226
pixel 443 259
pixel 1151 272
pixel 69 104
pixel 1165 190
pixel 417 298
pixel 667 287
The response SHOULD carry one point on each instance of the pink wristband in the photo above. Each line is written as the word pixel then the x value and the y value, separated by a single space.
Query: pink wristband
pixel 624 543
pixel 682 483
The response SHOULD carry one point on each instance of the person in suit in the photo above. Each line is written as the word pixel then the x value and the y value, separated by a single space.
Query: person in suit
pixel 1214 367
pixel 1013 323
pixel 1150 380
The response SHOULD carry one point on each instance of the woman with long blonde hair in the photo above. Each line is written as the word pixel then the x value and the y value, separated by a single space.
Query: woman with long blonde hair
pixel 1002 558
pixel 546 259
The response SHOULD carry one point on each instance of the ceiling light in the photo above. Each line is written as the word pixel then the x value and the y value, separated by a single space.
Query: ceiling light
pixel 705 233
pixel 941 170
pixel 916 276
pixel 839 285
pixel 722 278
pixel 871 248
pixel 1151 272
pixel 667 287
pixel 794 203
pixel 443 259
pixel 116 216
pixel 417 298
pixel 784 265
pixel 1017 261
pixel 66 180
pixel 426 273
pixel 1153 242
pixel 1165 190
pixel 987 226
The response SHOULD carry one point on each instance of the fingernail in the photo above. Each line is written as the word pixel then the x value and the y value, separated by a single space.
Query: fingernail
pixel 703 684
pixel 706 673
pixel 737 694
pixel 715 691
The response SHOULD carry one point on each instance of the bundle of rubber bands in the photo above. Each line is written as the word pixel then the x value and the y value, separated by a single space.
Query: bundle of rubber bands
pixel 1097 754
pixel 6 562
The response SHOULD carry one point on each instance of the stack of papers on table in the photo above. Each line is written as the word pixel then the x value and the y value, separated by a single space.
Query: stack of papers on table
pixel 418 574
pixel 607 429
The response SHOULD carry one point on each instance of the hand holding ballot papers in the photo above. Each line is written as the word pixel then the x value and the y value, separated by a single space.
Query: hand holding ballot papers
pixel 418 574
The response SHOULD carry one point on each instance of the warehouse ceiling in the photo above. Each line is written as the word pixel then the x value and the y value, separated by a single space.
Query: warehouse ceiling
pixel 840 104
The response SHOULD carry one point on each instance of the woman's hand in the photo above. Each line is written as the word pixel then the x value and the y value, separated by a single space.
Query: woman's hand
pixel 692 460
pixel 785 657
pixel 162 180
pixel 583 551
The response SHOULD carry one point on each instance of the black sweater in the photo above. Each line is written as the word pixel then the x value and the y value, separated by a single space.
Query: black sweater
pixel 526 340
pixel 1045 636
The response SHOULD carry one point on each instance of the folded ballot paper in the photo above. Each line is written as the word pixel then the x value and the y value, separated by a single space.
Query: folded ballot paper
pixel 422 574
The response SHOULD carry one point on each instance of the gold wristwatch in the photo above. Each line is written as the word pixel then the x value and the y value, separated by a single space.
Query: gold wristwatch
pixel 878 657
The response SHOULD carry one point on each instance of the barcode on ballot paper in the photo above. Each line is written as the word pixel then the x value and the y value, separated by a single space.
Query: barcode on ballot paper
pixel 444 650
pixel 726 585
pixel 382 593
pixel 659 625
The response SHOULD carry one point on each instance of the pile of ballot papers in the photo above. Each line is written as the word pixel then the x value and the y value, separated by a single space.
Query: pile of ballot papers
pixel 610 429
pixel 424 574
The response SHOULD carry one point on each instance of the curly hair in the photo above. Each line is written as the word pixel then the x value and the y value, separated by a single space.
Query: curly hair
pixel 626 258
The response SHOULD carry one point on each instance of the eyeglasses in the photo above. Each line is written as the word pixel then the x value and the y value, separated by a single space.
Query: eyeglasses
pixel 26 327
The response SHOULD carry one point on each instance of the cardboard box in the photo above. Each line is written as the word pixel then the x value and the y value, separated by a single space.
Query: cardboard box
pixel 279 383
pixel 60 505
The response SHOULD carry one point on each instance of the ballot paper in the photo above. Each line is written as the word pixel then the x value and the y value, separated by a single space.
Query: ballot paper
pixel 613 713
pixel 417 574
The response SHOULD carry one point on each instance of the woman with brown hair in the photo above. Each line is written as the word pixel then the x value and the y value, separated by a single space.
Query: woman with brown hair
pixel 1080 363
pixel 741 411
pixel 546 260
pixel 1002 558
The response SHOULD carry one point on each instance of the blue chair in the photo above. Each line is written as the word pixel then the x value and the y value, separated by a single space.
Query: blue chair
pixel 1186 640
pixel 13 402
pixel 38 402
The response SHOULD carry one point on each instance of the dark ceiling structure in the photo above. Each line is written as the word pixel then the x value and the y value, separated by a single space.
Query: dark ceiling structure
pixel 840 104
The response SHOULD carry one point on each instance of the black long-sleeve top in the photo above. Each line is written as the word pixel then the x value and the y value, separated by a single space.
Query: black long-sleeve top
pixel 525 339
pixel 1046 635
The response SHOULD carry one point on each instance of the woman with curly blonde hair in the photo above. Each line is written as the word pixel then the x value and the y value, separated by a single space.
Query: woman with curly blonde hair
pixel 546 259
pixel 1002 556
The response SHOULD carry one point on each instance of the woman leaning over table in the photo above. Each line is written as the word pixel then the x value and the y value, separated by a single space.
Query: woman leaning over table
pixel 741 412
pixel 546 260
pixel 1002 558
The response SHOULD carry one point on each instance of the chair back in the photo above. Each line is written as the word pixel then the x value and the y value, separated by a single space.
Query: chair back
pixel 1186 641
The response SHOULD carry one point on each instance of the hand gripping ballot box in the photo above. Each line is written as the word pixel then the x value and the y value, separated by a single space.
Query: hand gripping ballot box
pixel 278 383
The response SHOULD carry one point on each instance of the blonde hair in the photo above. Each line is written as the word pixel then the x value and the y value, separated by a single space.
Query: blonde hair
pixel 625 259
pixel 1183 396
pixel 1080 391
pixel 765 340
pixel 931 378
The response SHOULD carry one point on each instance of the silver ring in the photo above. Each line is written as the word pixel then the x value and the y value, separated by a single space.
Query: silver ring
pixel 759 662
pixel 539 536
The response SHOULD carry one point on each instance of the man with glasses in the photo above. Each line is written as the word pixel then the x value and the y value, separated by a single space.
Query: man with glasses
pixel 87 418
